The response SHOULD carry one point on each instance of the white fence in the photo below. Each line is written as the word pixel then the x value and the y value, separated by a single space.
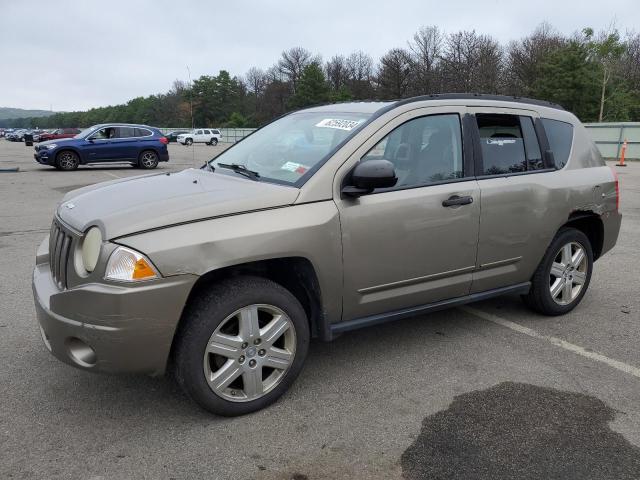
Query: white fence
pixel 229 135
pixel 609 138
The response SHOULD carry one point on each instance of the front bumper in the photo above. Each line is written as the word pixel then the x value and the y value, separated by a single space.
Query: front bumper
pixel 108 327
pixel 44 156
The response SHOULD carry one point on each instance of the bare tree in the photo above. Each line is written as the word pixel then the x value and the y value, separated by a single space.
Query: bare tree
pixel 292 63
pixel 360 72
pixel 524 58
pixel 337 72
pixel 471 63
pixel 426 49
pixel 256 80
pixel 394 74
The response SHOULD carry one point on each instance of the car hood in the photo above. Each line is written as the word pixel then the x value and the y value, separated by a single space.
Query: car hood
pixel 131 205
pixel 56 141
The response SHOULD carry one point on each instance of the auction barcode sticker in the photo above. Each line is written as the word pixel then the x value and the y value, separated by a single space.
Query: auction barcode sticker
pixel 338 123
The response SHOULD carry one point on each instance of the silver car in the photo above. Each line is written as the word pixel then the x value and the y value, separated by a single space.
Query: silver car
pixel 326 220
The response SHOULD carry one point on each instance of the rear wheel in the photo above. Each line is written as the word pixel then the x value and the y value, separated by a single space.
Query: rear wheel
pixel 67 160
pixel 563 276
pixel 148 160
pixel 241 345
pixel 213 141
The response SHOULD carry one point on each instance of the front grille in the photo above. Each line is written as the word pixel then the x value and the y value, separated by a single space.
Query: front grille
pixel 59 248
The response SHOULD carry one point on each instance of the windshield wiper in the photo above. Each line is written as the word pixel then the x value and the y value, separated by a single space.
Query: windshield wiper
pixel 241 169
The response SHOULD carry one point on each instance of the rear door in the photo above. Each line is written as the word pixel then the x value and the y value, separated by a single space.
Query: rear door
pixel 405 246
pixel 517 196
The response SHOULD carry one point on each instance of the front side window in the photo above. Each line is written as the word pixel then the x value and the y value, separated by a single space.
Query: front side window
pixel 288 148
pixel 199 132
pixel 560 136
pixel 424 150
pixel 104 133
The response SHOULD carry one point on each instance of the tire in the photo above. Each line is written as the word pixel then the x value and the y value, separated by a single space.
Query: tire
pixel 188 142
pixel 148 160
pixel 213 142
pixel 67 160
pixel 247 380
pixel 558 285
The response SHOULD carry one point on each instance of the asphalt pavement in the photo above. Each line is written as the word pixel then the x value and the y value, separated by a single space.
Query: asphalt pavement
pixel 488 392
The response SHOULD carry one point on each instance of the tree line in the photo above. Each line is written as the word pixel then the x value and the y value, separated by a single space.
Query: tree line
pixel 594 75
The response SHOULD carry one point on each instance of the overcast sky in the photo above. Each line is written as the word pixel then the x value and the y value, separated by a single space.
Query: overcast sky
pixel 70 55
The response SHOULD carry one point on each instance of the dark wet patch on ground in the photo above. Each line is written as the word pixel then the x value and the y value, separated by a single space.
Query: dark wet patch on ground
pixel 515 430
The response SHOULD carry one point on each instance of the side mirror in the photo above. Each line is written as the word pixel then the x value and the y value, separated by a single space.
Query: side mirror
pixel 369 175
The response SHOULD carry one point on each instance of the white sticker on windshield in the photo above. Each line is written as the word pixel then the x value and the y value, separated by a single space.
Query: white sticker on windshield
pixel 338 123
pixel 294 167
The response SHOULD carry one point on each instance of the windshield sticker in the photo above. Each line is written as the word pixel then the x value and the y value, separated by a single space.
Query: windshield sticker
pixel 294 167
pixel 339 123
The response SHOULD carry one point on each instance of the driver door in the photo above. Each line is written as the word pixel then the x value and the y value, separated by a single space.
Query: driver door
pixel 401 246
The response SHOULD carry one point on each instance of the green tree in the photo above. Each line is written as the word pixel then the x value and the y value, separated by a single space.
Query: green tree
pixel 606 51
pixel 312 88
pixel 569 78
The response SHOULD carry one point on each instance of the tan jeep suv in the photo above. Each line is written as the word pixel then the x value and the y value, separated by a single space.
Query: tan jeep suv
pixel 326 220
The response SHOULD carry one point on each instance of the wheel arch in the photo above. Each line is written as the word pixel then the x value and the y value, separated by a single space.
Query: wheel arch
pixel 296 274
pixel 591 225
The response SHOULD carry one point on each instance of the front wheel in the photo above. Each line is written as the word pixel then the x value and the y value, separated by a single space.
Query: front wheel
pixel 563 276
pixel 148 160
pixel 188 142
pixel 67 160
pixel 241 345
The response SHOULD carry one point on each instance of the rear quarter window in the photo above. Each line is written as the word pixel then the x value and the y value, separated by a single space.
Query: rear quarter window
pixel 560 136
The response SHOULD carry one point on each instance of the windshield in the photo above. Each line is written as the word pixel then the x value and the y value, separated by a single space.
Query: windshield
pixel 85 132
pixel 287 148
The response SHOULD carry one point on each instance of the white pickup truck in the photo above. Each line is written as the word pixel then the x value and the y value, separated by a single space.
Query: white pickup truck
pixel 210 136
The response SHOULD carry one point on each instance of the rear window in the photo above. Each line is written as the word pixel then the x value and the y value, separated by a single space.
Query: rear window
pixel 143 132
pixel 560 136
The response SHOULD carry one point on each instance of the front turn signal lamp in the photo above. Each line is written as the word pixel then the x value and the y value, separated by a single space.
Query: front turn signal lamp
pixel 127 265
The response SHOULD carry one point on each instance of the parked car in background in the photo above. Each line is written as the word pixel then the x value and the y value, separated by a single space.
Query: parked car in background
pixel 173 135
pixel 140 145
pixel 35 134
pixel 210 136
pixel 59 133
pixel 16 135
pixel 379 211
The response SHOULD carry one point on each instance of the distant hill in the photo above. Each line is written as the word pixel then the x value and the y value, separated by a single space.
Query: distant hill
pixel 7 112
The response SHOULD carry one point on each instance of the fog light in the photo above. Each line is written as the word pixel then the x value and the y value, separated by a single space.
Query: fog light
pixel 80 352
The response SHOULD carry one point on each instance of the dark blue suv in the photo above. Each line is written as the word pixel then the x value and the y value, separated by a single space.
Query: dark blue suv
pixel 139 145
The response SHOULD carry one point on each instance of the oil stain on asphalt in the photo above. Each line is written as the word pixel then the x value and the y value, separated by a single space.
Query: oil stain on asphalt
pixel 522 431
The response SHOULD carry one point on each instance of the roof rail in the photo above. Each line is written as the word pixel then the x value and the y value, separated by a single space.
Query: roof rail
pixel 478 96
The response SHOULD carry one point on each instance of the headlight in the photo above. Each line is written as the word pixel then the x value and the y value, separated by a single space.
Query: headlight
pixel 52 146
pixel 91 245
pixel 127 265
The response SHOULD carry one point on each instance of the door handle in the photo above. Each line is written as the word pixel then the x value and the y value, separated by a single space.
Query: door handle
pixel 457 200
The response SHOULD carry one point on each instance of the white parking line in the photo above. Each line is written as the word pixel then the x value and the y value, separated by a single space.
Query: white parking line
pixel 558 342
pixel 112 174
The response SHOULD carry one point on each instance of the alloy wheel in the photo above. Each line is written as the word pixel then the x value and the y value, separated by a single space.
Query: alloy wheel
pixel 148 159
pixel 67 161
pixel 568 273
pixel 249 353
